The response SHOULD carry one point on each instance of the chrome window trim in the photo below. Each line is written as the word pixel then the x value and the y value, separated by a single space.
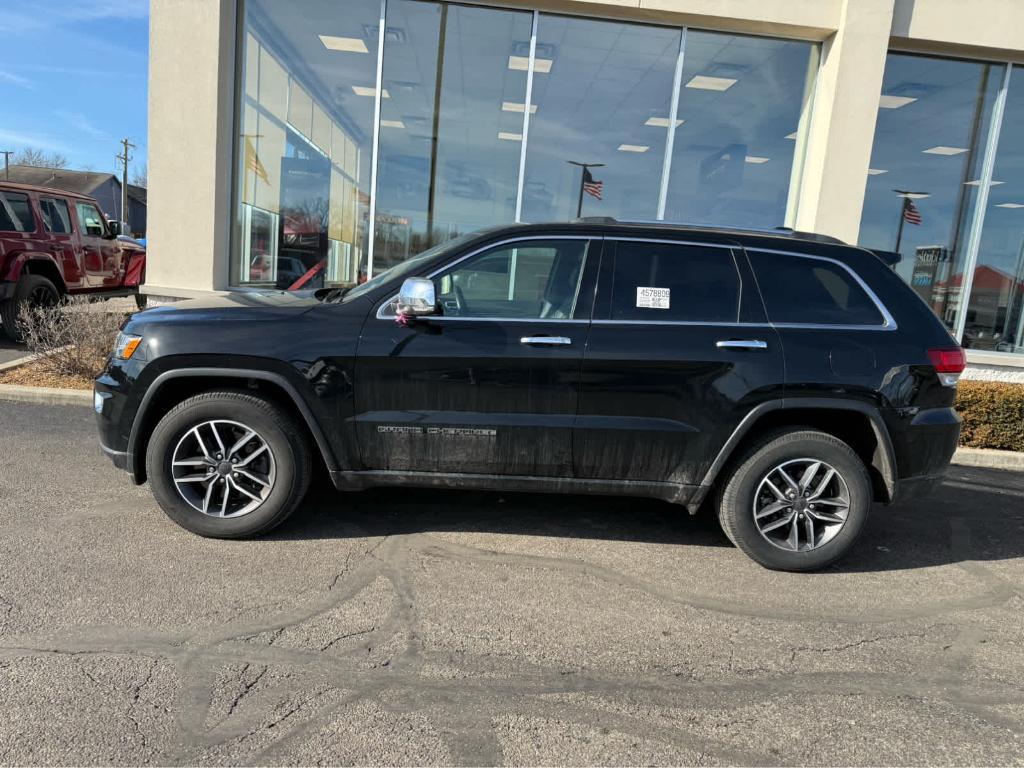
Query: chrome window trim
pixel 484 248
pixel 888 321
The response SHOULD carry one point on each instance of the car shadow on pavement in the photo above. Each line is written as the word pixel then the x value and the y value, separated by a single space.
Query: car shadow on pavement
pixel 976 515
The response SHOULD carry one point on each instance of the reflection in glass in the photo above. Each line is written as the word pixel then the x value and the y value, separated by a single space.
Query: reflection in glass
pixel 995 312
pixel 740 106
pixel 601 92
pixel 444 168
pixel 929 145
pixel 304 143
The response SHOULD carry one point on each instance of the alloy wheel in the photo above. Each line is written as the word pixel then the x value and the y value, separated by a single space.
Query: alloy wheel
pixel 223 468
pixel 801 504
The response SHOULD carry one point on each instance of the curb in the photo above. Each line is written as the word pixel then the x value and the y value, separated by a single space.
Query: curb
pixel 987 457
pixel 45 395
pixel 16 362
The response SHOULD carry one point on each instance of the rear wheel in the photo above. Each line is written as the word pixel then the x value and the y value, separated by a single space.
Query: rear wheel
pixel 797 501
pixel 32 291
pixel 228 464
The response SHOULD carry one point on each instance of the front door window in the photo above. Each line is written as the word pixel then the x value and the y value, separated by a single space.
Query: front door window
pixel 535 279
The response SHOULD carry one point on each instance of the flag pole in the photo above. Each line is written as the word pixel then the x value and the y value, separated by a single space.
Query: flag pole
pixel 579 203
pixel 899 229
pixel 583 175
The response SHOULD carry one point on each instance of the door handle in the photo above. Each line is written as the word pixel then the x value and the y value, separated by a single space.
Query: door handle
pixel 741 344
pixel 546 341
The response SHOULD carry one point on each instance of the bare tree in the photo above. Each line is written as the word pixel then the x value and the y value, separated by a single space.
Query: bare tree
pixel 139 176
pixel 39 159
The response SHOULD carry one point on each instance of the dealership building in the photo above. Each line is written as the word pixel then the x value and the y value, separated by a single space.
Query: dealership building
pixel 314 142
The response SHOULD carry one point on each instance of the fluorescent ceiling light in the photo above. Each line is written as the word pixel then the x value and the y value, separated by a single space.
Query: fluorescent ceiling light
pixel 507 136
pixel 944 150
pixel 661 122
pixel 1010 205
pixel 708 83
pixel 755 160
pixel 977 183
pixel 392 124
pixel 791 136
pixel 364 90
pixel 517 106
pixel 916 195
pixel 876 171
pixel 350 44
pixel 522 63
pixel 632 148
pixel 894 102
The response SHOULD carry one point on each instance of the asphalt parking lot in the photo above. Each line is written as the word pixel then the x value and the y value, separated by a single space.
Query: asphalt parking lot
pixel 426 627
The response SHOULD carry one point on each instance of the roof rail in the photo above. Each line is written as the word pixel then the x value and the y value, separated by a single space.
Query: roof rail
pixel 776 231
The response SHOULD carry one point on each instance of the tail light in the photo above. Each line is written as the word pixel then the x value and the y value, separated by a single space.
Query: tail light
pixel 949 364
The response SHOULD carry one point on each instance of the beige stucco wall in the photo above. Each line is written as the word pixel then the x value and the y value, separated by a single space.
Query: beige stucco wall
pixel 191 103
pixel 191 96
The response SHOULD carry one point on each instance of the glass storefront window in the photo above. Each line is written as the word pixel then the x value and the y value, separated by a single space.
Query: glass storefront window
pixel 740 105
pixel 995 312
pixel 602 92
pixel 456 148
pixel 930 138
pixel 304 143
pixel 445 164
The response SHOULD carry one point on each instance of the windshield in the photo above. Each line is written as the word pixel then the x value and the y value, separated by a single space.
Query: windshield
pixel 404 268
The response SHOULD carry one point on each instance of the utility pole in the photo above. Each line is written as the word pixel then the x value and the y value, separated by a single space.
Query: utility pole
pixel 7 163
pixel 123 158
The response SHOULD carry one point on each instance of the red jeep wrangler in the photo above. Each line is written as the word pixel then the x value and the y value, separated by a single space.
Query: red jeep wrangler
pixel 55 244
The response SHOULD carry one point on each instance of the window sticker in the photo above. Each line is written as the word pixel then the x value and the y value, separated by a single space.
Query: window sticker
pixel 653 298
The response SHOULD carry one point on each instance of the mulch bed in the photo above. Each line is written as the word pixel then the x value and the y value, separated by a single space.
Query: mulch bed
pixel 35 374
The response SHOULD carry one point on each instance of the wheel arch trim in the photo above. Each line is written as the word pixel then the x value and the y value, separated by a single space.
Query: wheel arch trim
pixel 232 373
pixel 884 459
pixel 17 267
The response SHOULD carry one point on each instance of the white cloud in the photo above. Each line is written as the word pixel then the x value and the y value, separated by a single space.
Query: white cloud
pixel 81 123
pixel 28 139
pixel 12 79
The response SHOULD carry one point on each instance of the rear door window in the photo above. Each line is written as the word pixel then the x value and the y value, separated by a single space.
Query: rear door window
pixel 674 282
pixel 804 290
pixel 15 213
pixel 90 220
pixel 56 217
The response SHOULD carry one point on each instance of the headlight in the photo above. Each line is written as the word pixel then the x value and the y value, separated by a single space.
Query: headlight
pixel 126 345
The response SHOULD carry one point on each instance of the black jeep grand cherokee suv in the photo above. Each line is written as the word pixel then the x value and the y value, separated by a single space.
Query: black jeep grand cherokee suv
pixel 788 380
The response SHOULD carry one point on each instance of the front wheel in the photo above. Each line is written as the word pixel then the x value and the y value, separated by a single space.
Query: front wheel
pixel 228 464
pixel 797 501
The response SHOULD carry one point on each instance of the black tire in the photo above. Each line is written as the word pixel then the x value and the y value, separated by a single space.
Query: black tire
pixel 736 504
pixel 141 300
pixel 34 290
pixel 285 438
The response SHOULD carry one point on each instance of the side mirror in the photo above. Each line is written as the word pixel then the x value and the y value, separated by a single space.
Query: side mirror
pixel 416 297
pixel 114 227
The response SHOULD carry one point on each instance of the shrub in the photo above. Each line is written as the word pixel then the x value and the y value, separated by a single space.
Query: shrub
pixel 73 338
pixel 993 414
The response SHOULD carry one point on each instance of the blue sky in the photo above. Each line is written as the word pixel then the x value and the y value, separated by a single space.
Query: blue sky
pixel 73 78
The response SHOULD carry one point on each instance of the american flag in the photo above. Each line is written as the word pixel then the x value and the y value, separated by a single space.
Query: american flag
pixel 591 187
pixel 910 213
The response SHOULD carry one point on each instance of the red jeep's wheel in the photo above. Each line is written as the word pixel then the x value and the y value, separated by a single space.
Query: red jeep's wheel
pixel 33 290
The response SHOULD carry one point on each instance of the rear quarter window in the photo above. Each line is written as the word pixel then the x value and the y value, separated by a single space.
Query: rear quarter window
pixel 805 290
pixel 15 213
